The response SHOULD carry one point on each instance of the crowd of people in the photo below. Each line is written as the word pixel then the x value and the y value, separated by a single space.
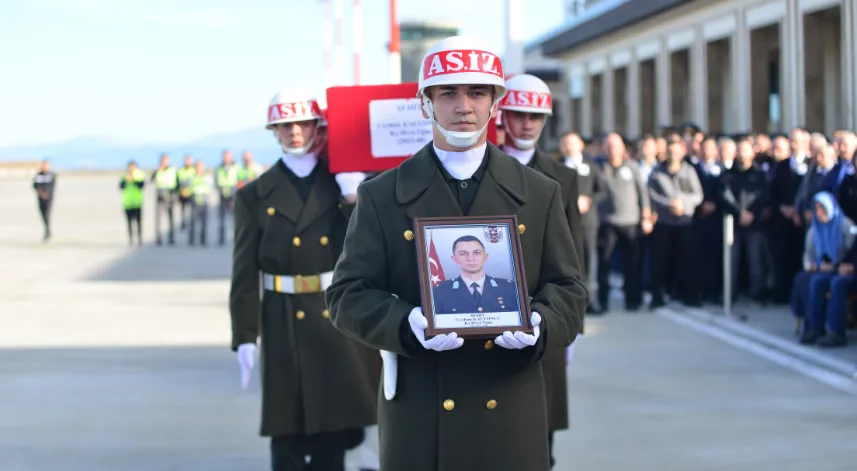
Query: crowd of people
pixel 189 189
pixel 661 200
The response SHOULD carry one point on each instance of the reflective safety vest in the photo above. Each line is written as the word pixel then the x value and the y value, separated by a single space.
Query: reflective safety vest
pixel 165 179
pixel 132 195
pixel 186 174
pixel 227 180
pixel 200 186
pixel 246 175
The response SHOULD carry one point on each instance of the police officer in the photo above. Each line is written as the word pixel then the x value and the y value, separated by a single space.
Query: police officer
pixel 227 182
pixel 131 185
pixel 185 176
pixel 44 183
pixel 318 392
pixel 451 404
pixel 200 191
pixel 166 185
pixel 473 290
pixel 524 111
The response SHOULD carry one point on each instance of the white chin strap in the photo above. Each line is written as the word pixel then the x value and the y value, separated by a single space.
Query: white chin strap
pixel 460 139
pixel 302 150
pixel 523 144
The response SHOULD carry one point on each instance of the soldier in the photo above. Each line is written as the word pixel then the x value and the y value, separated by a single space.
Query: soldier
pixel 227 182
pixel 524 111
pixel 166 184
pixel 44 183
pixel 473 290
pixel 450 404
pixel 185 176
pixel 318 392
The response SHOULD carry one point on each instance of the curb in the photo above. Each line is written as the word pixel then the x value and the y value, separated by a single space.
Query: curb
pixel 831 371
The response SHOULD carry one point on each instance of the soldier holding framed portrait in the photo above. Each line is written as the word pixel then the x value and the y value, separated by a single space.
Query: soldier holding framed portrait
pixel 452 403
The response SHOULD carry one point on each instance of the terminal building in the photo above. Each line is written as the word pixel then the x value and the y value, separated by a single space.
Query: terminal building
pixel 416 38
pixel 633 66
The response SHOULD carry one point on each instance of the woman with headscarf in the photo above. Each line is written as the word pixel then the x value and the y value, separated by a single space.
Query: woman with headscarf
pixel 827 242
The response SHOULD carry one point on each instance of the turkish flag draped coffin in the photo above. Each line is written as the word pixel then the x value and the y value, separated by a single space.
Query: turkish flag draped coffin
pixel 373 128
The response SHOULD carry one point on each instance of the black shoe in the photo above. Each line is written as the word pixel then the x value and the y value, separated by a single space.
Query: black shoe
pixel 809 337
pixel 656 304
pixel 832 339
pixel 159 242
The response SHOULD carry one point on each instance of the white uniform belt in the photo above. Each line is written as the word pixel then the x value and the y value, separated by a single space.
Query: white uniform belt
pixel 298 284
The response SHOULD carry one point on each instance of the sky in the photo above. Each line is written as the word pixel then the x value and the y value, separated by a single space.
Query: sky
pixel 140 71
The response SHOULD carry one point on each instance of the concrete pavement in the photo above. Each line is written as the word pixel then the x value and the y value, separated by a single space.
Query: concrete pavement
pixel 116 358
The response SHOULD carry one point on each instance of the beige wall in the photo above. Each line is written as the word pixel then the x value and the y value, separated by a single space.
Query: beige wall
pixel 722 81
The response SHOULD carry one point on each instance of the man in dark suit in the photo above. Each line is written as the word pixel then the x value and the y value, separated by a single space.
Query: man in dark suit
pixel 525 110
pixel 473 290
pixel 319 387
pixel 591 192
pixel 451 404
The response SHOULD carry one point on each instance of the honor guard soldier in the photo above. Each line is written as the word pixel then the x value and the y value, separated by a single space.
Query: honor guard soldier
pixel 458 405
pixel 227 182
pixel 201 188
pixel 525 109
pixel 132 184
pixel 185 175
pixel 166 185
pixel 44 183
pixel 318 393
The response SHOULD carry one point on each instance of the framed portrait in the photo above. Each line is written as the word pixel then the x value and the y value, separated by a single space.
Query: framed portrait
pixel 472 278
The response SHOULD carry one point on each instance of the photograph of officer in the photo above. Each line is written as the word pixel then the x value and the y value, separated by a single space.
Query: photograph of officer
pixel 473 290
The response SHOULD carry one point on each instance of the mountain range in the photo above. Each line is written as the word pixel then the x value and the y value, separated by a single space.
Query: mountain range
pixel 96 153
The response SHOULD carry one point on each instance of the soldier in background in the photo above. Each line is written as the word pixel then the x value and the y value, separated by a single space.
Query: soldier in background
pixel 319 390
pixel 525 110
pixel 44 183
pixel 166 185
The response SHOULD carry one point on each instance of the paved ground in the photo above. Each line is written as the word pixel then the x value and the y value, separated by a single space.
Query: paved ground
pixel 115 358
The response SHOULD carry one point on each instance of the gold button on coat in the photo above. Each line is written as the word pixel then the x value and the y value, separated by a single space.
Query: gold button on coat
pixel 489 344
pixel 271 211
pixel 300 315
pixel 522 228
pixel 491 404
pixel 449 404
pixel 296 241
pixel 324 240
pixel 325 314
pixel 409 235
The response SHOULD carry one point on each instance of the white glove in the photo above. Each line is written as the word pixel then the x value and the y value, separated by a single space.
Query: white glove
pixel 569 352
pixel 247 359
pixel 440 342
pixel 520 340
pixel 349 181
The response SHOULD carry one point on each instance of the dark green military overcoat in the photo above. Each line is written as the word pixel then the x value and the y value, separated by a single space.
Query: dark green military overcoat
pixel 314 378
pixel 554 365
pixel 479 407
